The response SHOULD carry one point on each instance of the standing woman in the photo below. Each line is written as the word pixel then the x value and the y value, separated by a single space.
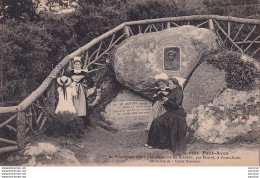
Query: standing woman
pixel 168 131
pixel 82 82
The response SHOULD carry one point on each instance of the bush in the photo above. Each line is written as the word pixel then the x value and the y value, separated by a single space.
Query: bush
pixel 240 75
pixel 23 59
pixel 149 9
pixel 65 125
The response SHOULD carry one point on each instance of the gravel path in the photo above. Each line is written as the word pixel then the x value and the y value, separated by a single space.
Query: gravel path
pixel 102 147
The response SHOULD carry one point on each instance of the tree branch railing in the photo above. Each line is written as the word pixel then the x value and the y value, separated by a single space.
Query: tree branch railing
pixel 31 114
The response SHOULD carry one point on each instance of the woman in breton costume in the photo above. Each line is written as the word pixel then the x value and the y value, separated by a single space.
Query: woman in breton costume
pixel 168 131
pixel 82 82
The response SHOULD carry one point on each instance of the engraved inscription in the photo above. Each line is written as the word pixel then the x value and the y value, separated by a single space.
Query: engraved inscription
pixel 130 108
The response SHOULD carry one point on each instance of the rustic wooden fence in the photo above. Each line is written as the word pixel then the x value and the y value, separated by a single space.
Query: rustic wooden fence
pixel 31 114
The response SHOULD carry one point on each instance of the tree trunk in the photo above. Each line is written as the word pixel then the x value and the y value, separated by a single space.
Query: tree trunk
pixel 2 86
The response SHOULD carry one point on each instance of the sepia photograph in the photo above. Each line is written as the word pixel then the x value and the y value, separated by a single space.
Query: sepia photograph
pixel 129 83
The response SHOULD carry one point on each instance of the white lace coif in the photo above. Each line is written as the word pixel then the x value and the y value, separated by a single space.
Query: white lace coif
pixel 162 76
pixel 180 80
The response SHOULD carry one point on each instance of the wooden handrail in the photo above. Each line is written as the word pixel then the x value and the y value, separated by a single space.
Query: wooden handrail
pixel 8 149
pixel 39 91
pixel 9 109
pixel 195 17
pixel 8 120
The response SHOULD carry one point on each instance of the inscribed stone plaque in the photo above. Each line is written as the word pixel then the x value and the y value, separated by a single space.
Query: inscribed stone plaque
pixel 172 58
pixel 130 108
pixel 128 111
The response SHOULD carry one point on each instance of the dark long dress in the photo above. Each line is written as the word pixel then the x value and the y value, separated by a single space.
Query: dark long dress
pixel 168 131
pixel 81 79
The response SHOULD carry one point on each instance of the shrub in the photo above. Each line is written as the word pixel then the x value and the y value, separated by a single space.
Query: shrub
pixel 240 75
pixel 65 125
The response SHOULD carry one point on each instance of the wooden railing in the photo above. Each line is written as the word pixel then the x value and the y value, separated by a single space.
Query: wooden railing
pixel 31 114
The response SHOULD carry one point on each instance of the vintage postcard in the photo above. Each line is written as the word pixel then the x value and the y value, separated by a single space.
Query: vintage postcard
pixel 129 83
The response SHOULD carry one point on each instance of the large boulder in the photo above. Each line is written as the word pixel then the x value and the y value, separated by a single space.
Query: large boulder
pixel 231 117
pixel 139 58
pixel 205 84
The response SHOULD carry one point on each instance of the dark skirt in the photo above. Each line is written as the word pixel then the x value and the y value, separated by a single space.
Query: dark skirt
pixel 168 131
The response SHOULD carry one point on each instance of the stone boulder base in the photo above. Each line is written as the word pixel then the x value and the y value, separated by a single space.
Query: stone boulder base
pixel 139 58
pixel 231 117
pixel 128 111
pixel 44 154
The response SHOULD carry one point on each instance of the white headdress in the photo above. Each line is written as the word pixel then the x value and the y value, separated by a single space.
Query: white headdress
pixel 162 76
pixel 64 80
pixel 180 80
pixel 77 58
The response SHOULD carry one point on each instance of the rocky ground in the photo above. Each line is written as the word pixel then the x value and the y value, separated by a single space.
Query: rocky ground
pixel 102 147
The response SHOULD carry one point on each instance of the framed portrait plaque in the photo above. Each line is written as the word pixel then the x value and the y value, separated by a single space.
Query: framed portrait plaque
pixel 172 58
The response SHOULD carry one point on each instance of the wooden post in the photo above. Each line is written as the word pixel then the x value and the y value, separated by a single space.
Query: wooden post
pixel 2 85
pixel 20 122
pixel 70 65
pixel 126 32
pixel 211 25
pixel 139 29
pixel 51 98
pixel 168 25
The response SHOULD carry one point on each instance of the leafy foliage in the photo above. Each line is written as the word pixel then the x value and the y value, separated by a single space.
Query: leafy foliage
pixel 18 9
pixel 143 9
pixel 24 50
pixel 228 7
pixel 241 75
pixel 65 125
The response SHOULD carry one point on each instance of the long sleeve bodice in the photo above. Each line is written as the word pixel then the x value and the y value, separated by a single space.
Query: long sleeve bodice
pixel 81 77
pixel 174 101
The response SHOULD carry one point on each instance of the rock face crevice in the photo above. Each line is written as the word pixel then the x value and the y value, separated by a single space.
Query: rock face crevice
pixel 205 84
